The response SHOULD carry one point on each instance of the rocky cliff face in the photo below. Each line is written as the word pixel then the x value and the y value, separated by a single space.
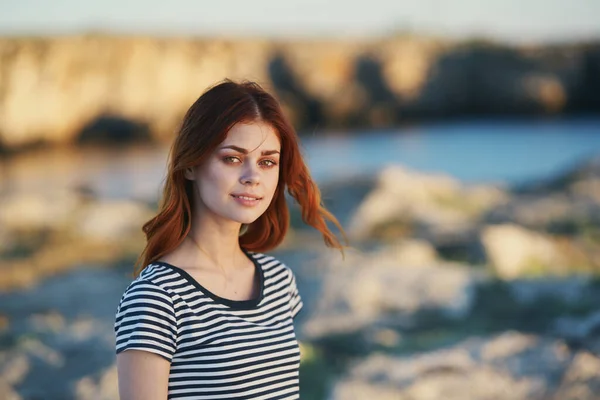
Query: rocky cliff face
pixel 63 89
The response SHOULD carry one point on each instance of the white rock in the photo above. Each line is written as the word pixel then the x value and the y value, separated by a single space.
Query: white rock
pixel 512 250
pixel 112 220
pixel 429 199
pixel 411 252
pixel 508 344
pixel 507 366
pixel 15 369
pixel 37 211
pixel 102 388
pixel 363 288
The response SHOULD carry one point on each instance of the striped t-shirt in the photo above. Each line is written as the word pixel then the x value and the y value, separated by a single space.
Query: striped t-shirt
pixel 218 348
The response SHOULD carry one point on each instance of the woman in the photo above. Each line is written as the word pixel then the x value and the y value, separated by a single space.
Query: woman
pixel 209 316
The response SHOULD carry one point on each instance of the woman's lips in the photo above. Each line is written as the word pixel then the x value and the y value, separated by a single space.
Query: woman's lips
pixel 247 201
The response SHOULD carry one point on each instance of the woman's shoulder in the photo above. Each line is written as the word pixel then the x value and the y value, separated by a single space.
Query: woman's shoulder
pixel 154 271
pixel 155 277
pixel 146 317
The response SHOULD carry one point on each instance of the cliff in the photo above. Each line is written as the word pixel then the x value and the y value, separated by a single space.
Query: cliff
pixel 77 88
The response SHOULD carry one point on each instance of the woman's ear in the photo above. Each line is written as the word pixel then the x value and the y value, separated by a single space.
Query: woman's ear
pixel 189 174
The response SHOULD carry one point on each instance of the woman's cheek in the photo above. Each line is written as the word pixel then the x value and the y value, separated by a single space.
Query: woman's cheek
pixel 273 184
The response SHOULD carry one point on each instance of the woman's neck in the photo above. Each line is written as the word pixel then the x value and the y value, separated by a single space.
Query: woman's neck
pixel 216 241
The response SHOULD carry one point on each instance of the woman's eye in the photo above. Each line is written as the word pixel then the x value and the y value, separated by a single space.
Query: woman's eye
pixel 231 159
pixel 269 163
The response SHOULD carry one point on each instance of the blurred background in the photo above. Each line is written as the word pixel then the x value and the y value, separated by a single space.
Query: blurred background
pixel 457 142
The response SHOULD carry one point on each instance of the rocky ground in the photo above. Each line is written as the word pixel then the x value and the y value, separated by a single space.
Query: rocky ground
pixel 396 330
pixel 509 365
pixel 449 291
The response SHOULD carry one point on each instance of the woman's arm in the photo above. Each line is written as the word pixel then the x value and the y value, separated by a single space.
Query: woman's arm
pixel 142 375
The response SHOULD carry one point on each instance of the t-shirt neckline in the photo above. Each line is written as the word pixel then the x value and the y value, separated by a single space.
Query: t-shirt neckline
pixel 234 304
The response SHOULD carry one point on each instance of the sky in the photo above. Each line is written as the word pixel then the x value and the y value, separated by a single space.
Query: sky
pixel 507 20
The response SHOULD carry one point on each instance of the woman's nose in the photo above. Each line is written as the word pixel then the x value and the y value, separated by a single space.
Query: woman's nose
pixel 250 176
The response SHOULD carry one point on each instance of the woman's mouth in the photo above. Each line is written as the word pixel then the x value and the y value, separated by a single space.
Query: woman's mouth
pixel 247 201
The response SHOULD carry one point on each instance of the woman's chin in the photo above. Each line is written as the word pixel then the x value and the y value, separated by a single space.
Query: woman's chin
pixel 246 219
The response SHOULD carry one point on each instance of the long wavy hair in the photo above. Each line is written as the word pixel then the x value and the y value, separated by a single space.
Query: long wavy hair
pixel 204 127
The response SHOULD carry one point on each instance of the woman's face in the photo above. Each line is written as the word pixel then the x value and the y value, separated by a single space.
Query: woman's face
pixel 239 179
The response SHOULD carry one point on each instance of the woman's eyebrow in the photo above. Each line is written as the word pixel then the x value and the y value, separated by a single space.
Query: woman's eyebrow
pixel 244 151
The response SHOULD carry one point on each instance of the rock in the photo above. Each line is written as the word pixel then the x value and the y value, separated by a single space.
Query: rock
pixel 41 351
pixel 52 321
pixel 399 194
pixel 407 67
pixel 506 345
pixel 37 211
pixel 111 220
pixel 61 342
pixel 548 90
pixel 514 251
pixel 8 392
pixel 56 363
pixel 407 197
pixel 588 188
pixel 65 233
pixel 411 252
pixel 581 380
pixel 567 205
pixel 104 387
pixel 15 369
pixel 367 288
pixel 385 337
pixel 507 366
pixel 148 83
pixel 582 181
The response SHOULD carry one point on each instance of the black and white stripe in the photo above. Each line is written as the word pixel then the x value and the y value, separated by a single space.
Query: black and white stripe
pixel 218 348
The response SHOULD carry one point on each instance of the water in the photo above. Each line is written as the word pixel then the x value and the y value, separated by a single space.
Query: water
pixel 503 152
pixel 487 151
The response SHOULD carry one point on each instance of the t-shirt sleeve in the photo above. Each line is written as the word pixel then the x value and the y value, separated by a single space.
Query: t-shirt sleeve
pixel 146 320
pixel 295 298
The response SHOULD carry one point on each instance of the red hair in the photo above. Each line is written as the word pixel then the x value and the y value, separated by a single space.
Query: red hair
pixel 204 127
